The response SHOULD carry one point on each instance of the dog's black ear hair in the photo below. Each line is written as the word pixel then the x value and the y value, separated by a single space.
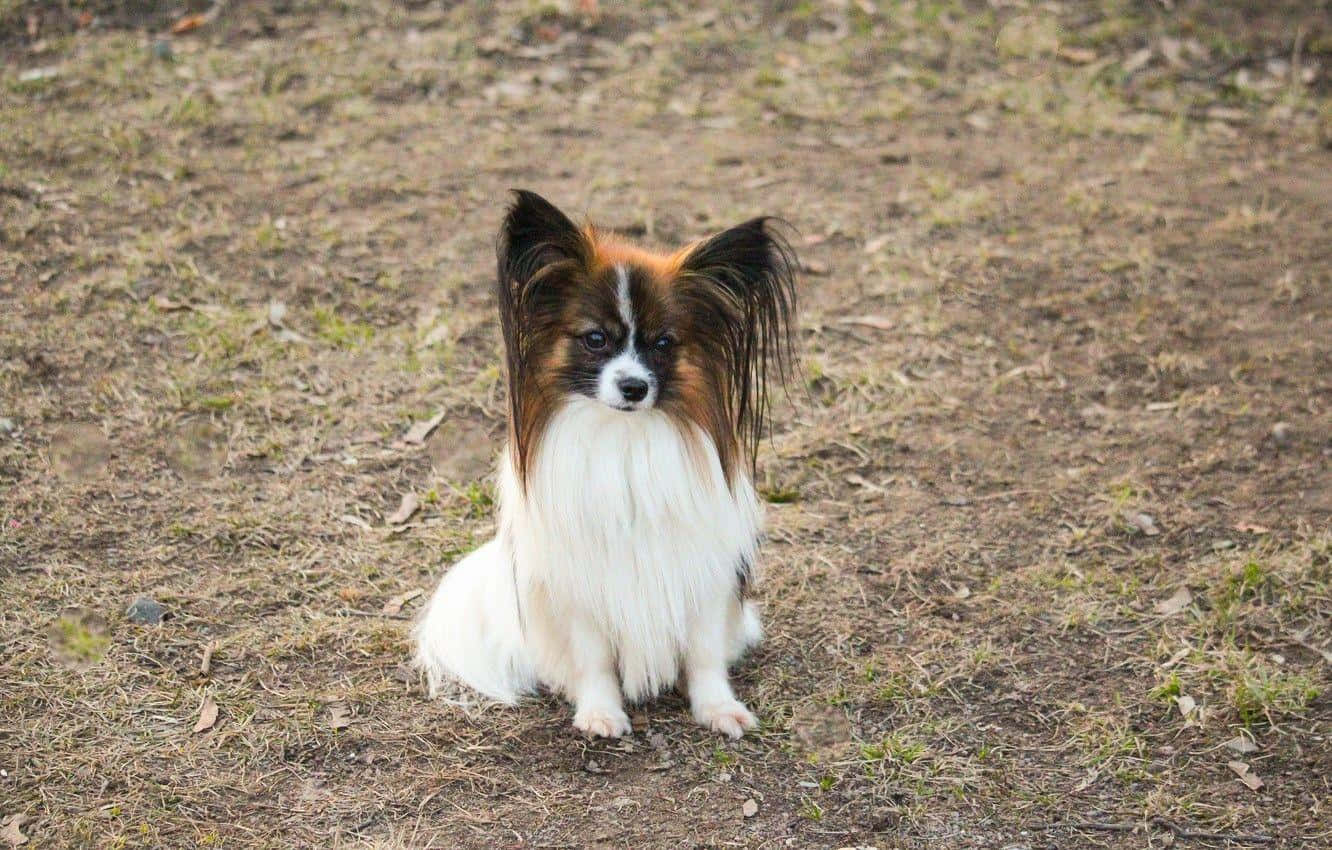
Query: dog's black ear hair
pixel 534 235
pixel 537 248
pixel 745 281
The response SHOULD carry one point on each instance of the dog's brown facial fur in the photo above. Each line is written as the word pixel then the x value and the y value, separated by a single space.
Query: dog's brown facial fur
pixel 723 306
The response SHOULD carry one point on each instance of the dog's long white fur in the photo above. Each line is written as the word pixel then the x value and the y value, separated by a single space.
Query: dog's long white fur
pixel 610 577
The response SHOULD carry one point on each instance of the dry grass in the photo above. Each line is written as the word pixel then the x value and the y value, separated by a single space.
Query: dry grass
pixel 1050 516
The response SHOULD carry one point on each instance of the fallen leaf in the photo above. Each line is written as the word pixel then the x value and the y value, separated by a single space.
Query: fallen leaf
pixel 1251 528
pixel 1137 61
pixel 1144 523
pixel 206 663
pixel 750 808
pixel 1187 704
pixel 188 23
pixel 1241 745
pixel 873 245
pixel 339 715
pixel 38 75
pixel 277 313
pixel 1244 774
pixel 437 335
pixel 1176 658
pixel 408 506
pixel 166 305
pixel 395 604
pixel 11 832
pixel 416 435
pixel 814 267
pixel 879 323
pixel 1176 603
pixel 1172 50
pixel 85 19
pixel 1077 55
pixel 978 121
pixel 861 481
pixel 1229 114
pixel 207 715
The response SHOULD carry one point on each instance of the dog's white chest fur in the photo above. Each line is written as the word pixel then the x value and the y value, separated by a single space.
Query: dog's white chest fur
pixel 623 553
pixel 631 524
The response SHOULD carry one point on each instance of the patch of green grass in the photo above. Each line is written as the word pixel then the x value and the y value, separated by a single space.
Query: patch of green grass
pixel 893 749
pixel 1168 691
pixel 334 329
pixel 1240 588
pixel 192 111
pixel 1105 738
pixel 80 641
pixel 479 499
pixel 268 238
pixel 1265 696
pixel 779 495
pixel 217 403
pixel 896 689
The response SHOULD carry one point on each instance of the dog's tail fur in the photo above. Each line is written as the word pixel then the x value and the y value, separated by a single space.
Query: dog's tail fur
pixel 472 631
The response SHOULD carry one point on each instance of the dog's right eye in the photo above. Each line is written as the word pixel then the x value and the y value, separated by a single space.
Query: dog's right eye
pixel 595 341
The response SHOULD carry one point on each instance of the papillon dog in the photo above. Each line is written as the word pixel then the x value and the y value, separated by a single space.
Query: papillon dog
pixel 638 390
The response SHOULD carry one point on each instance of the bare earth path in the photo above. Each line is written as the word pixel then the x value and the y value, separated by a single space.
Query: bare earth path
pixel 1050 561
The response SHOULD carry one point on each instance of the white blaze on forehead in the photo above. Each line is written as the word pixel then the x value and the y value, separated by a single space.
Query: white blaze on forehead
pixel 626 364
pixel 625 303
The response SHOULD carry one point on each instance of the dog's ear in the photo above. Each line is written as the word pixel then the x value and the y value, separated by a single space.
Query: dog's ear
pixel 744 280
pixel 539 252
pixel 535 234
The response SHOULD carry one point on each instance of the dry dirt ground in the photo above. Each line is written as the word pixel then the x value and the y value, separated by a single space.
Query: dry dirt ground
pixel 1050 562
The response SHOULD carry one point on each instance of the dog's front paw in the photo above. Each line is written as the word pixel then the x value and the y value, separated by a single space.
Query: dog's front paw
pixel 730 718
pixel 602 722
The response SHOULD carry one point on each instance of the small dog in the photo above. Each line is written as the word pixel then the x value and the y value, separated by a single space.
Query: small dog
pixel 628 522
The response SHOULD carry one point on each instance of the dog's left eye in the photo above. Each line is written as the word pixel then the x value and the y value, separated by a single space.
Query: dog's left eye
pixel 663 343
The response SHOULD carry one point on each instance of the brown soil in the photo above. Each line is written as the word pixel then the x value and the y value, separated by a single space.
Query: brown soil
pixel 1050 510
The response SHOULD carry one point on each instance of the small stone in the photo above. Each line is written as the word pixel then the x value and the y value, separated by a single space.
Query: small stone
pixel 145 611
pixel 7 425
pixel 1281 433
pixel 162 50
pixel 750 808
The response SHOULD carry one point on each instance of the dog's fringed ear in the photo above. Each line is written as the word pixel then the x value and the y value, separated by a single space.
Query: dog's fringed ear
pixel 538 248
pixel 747 277
pixel 534 235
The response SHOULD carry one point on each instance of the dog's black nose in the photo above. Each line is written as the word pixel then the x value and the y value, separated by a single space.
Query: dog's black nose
pixel 633 389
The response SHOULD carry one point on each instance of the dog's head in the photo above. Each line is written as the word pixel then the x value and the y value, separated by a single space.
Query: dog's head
pixel 696 333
